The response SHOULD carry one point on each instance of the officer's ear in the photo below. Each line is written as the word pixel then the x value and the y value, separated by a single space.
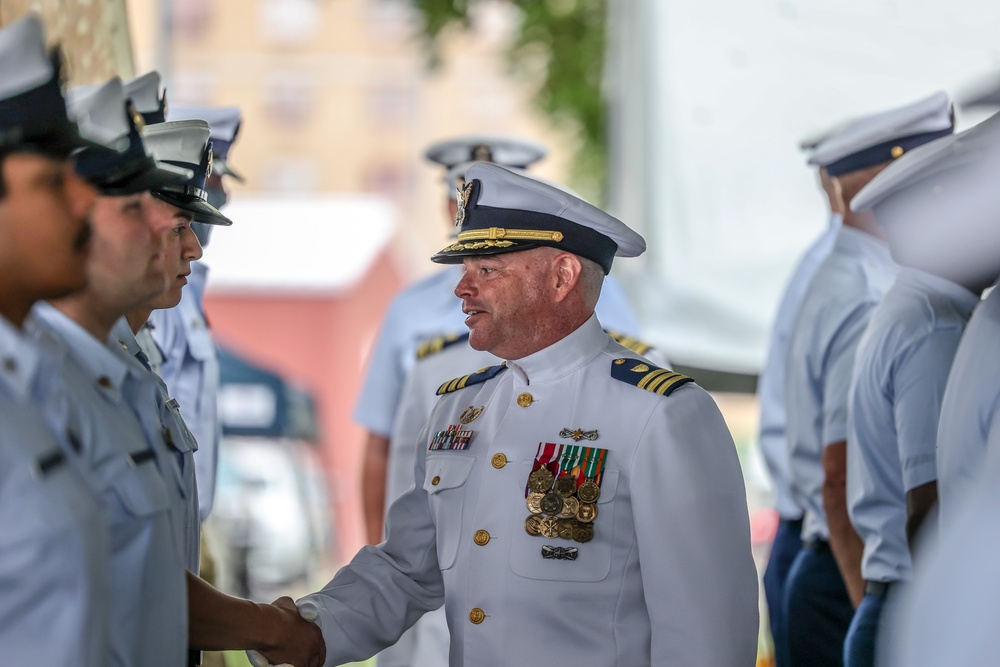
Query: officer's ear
pixel 567 273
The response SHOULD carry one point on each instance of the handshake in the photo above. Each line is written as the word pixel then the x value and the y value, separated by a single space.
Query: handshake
pixel 300 642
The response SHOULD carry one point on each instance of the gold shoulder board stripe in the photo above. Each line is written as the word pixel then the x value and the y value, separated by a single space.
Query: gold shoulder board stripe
pixel 657 380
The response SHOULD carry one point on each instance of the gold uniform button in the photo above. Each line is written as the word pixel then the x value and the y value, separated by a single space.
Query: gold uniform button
pixel 482 538
pixel 525 399
pixel 436 480
pixel 499 461
pixel 9 365
pixel 897 151
pixel 477 615
pixel 104 382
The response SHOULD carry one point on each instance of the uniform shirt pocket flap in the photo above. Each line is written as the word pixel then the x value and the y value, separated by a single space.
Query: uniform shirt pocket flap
pixel 447 472
pixel 142 491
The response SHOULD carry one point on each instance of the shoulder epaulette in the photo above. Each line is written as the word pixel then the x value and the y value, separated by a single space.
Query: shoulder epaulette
pixel 646 376
pixel 482 375
pixel 632 343
pixel 435 345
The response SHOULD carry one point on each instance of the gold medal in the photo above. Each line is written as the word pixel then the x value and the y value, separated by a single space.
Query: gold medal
pixel 532 525
pixel 570 506
pixel 551 503
pixel 583 532
pixel 534 502
pixel 549 527
pixel 566 486
pixel 566 529
pixel 587 512
pixel 540 480
pixel 589 492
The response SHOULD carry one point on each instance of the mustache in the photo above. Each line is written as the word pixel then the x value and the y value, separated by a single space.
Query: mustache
pixel 83 237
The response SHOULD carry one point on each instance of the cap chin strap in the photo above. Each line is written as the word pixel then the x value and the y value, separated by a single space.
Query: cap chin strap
pixel 186 190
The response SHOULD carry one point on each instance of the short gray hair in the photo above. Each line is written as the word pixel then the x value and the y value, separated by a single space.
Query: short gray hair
pixel 592 280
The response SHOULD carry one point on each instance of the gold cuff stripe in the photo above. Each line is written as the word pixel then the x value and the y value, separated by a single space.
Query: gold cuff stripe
pixel 495 233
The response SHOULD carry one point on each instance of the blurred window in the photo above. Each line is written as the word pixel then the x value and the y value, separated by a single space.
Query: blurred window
pixel 289 97
pixel 289 22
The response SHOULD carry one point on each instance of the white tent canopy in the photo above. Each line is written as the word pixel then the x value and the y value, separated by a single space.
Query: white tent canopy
pixel 709 102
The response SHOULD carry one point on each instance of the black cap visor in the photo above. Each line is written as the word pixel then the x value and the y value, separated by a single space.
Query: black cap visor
pixel 185 198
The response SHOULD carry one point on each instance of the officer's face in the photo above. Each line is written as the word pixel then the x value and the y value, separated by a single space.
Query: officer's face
pixel 180 248
pixel 44 228
pixel 507 300
pixel 126 266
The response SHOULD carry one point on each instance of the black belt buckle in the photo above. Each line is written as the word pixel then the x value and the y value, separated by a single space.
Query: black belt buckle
pixel 818 546
pixel 879 588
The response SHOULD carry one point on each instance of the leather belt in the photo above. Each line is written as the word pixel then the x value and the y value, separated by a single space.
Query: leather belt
pixel 877 587
pixel 818 546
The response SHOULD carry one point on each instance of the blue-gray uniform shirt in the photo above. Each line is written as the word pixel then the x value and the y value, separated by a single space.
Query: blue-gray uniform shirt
pixel 190 369
pixel 900 374
pixel 969 423
pixel 179 438
pixel 430 308
pixel 668 578
pixel 846 288
pixel 123 446
pixel 54 546
pixel 771 386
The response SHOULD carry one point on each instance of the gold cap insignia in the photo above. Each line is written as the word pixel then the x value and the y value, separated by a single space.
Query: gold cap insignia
pixel 137 118
pixel 482 153
pixel 462 195
pixel 210 159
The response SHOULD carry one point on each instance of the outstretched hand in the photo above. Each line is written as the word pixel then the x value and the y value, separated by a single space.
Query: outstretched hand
pixel 298 642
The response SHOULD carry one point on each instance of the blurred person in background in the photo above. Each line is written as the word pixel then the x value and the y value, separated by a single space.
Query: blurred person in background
pixel 901 370
pixel 970 411
pixel 770 392
pixel 942 615
pixel 54 546
pixel 653 548
pixel 428 308
pixel 824 584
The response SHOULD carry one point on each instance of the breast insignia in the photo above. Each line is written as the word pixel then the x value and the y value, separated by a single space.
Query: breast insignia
pixel 435 345
pixel 482 375
pixel 634 344
pixel 645 376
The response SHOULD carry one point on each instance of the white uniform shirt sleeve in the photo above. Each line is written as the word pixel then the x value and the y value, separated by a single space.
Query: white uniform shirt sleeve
pixel 380 393
pixel 704 609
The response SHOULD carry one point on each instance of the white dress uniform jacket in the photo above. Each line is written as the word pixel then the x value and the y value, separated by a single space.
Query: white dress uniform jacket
pixel 834 313
pixel 122 444
pixel 179 438
pixel 771 385
pixel 426 643
pixel 430 308
pixel 54 547
pixel 191 372
pixel 900 374
pixel 970 411
pixel 668 578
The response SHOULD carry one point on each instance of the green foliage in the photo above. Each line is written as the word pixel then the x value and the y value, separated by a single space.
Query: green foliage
pixel 561 42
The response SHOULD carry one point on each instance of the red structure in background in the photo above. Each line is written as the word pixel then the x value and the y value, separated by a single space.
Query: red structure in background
pixel 321 341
